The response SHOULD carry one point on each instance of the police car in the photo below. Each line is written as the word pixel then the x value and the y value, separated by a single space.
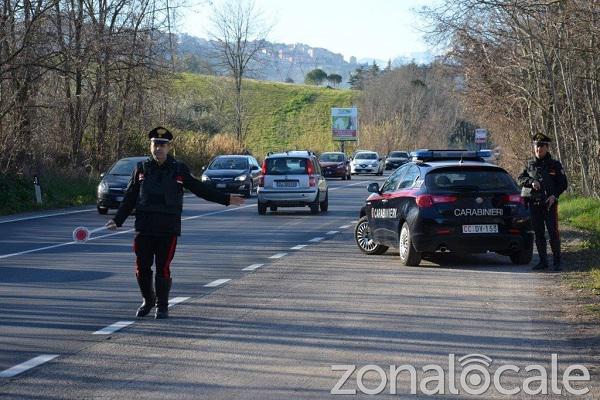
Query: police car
pixel 446 201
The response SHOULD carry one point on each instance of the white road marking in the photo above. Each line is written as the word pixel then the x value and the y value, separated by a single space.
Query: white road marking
pixel 344 226
pixel 354 222
pixel 278 255
pixel 46 215
pixel 298 247
pixel 113 328
pixel 317 239
pixel 252 267
pixel 176 300
pixel 331 232
pixel 217 282
pixel 20 368
pixel 115 233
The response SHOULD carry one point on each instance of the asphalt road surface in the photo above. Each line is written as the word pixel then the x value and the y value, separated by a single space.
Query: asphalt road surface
pixel 262 308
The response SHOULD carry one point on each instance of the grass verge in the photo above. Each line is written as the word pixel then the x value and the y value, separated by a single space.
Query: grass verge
pixel 582 252
pixel 17 193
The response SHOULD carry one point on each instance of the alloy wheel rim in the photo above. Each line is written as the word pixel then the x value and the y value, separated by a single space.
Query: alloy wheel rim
pixel 363 237
pixel 403 243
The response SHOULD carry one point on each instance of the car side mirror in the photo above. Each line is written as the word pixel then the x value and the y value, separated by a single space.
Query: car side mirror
pixel 102 175
pixel 380 159
pixel 254 168
pixel 373 187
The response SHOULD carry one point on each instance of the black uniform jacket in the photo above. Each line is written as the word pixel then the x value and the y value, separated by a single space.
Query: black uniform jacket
pixel 156 192
pixel 548 172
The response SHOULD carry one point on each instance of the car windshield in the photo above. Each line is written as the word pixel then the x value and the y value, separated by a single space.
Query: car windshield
pixel 398 154
pixel 366 156
pixel 472 180
pixel 332 157
pixel 229 163
pixel 123 167
pixel 286 166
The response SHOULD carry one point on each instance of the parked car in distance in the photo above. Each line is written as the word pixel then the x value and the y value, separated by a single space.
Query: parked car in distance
pixel 233 174
pixel 292 179
pixel 396 159
pixel 114 182
pixel 335 165
pixel 367 162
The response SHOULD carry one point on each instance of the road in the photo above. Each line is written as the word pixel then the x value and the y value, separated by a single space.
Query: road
pixel 265 306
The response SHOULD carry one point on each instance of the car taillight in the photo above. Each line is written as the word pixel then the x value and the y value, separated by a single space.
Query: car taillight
pixel 263 170
pixel 427 200
pixel 310 168
pixel 513 198
pixel 312 181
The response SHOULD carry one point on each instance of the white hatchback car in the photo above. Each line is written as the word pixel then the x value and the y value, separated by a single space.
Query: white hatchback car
pixel 292 179
pixel 367 162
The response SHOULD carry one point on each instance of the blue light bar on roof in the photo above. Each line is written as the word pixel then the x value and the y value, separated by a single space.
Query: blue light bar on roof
pixel 426 154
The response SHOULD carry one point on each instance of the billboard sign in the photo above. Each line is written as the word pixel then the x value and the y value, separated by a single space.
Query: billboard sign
pixel 344 124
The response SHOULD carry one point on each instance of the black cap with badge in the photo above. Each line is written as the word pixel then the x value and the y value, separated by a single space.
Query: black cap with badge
pixel 160 134
pixel 540 138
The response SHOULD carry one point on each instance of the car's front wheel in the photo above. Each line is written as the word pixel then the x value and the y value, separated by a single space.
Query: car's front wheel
pixel 364 240
pixel 248 193
pixel 408 255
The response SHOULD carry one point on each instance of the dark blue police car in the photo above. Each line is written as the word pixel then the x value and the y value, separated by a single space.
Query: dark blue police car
pixel 446 201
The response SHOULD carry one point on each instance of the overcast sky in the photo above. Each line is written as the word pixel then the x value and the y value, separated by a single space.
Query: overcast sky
pixel 378 29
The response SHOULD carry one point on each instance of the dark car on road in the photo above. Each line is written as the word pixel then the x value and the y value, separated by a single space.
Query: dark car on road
pixel 446 201
pixel 396 159
pixel 233 174
pixel 335 165
pixel 114 182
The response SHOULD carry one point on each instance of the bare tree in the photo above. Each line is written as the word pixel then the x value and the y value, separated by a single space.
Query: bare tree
pixel 240 35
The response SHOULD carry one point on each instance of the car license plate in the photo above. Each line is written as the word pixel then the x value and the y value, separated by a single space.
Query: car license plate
pixel 221 185
pixel 119 198
pixel 286 184
pixel 492 228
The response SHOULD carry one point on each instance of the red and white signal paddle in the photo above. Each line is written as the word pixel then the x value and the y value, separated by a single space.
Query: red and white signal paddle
pixel 81 234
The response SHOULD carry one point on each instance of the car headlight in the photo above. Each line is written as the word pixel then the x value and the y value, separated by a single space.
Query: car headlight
pixel 103 187
pixel 241 178
pixel 205 178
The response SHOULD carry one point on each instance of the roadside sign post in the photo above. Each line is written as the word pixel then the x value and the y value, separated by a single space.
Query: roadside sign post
pixel 480 137
pixel 344 125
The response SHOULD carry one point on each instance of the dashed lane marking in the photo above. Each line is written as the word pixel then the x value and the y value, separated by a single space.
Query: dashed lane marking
pixel 217 282
pixel 27 365
pixel 252 267
pixel 113 328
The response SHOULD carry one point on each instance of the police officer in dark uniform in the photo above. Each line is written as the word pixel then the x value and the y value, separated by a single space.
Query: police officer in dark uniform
pixel 544 180
pixel 155 190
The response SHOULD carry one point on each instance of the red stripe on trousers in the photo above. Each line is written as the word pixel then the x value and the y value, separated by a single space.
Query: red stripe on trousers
pixel 167 268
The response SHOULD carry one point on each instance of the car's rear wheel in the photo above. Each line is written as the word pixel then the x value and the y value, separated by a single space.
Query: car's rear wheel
pixel 523 256
pixel 102 210
pixel 325 203
pixel 408 255
pixel 364 241
pixel 262 208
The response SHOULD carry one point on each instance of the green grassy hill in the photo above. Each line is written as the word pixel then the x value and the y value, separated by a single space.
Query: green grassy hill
pixel 280 116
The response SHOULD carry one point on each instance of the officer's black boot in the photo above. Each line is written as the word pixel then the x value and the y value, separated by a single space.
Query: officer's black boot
pixel 555 245
pixel 163 285
pixel 541 247
pixel 145 283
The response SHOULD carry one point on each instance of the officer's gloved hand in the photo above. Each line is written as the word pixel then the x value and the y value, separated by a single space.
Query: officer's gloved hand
pixel 536 185
pixel 111 225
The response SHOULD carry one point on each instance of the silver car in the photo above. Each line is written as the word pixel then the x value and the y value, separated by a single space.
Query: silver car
pixel 367 162
pixel 292 179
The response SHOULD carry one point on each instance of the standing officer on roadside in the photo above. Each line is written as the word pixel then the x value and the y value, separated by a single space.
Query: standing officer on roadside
pixel 547 181
pixel 155 190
